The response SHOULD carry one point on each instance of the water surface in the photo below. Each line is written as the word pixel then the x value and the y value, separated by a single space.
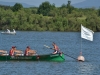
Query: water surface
pixel 69 42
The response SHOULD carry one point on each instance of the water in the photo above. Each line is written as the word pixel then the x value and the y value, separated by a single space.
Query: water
pixel 69 43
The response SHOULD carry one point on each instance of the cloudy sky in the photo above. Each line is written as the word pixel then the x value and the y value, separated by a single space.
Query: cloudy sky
pixel 38 2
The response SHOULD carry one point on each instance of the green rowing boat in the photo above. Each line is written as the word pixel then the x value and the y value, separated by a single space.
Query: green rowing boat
pixel 47 57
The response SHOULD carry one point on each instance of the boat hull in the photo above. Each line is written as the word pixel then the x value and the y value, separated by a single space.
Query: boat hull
pixel 13 33
pixel 48 57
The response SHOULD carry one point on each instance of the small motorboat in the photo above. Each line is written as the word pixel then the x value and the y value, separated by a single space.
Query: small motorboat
pixel 9 32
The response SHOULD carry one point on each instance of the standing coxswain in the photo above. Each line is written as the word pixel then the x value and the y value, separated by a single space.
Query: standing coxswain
pixel 56 49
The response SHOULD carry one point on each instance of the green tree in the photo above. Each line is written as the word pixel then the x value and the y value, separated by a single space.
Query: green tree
pixel 99 11
pixel 44 8
pixel 17 7
pixel 22 17
pixel 70 8
pixel 63 6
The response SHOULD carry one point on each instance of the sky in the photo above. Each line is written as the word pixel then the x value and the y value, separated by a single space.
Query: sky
pixel 38 2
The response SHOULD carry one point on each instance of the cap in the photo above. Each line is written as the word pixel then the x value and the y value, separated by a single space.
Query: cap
pixel 28 47
pixel 13 46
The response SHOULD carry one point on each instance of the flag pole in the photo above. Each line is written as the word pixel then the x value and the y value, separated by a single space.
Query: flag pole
pixel 80 57
pixel 81 41
pixel 81 47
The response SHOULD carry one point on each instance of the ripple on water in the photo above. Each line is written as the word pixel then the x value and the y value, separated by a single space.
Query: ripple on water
pixel 69 43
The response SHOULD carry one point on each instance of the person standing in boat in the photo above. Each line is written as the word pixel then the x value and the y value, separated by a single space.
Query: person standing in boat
pixel 56 49
pixel 27 51
pixel 11 52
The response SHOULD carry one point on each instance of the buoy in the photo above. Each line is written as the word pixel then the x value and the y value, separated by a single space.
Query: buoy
pixel 80 57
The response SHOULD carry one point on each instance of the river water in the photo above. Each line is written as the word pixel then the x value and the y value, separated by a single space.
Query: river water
pixel 69 42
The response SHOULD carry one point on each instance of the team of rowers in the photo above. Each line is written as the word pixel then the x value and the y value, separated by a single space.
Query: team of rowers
pixel 28 51
pixel 14 52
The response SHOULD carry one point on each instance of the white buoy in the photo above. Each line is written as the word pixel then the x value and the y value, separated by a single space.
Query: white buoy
pixel 80 57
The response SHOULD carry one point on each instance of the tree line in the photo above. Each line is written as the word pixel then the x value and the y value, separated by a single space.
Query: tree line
pixel 48 17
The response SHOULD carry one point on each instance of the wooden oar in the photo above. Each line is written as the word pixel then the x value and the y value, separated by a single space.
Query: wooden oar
pixel 63 53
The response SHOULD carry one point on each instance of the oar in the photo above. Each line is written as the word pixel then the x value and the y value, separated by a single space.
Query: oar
pixel 69 56
pixel 47 46
pixel 63 53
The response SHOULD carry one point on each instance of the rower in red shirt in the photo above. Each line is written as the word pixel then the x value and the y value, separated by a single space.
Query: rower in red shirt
pixel 27 51
pixel 11 52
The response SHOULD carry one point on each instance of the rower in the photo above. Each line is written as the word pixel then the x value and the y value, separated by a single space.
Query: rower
pixel 32 52
pixel 56 49
pixel 29 52
pixel 18 52
pixel 11 52
pixel 8 30
pixel 3 53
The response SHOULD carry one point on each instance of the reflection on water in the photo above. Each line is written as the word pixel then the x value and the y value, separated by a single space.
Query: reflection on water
pixel 85 68
pixel 69 43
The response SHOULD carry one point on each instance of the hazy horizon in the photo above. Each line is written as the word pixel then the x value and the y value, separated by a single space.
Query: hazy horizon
pixel 37 3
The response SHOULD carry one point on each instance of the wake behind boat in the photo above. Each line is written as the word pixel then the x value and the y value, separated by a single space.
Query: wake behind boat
pixel 9 32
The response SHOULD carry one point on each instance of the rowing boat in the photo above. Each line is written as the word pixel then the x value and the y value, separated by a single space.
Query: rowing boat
pixel 46 57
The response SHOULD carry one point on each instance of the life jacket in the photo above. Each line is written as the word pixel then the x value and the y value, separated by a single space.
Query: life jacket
pixel 11 53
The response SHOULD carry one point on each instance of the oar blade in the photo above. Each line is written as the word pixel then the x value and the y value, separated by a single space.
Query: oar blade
pixel 46 46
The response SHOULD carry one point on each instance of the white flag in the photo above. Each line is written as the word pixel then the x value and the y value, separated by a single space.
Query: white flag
pixel 86 33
